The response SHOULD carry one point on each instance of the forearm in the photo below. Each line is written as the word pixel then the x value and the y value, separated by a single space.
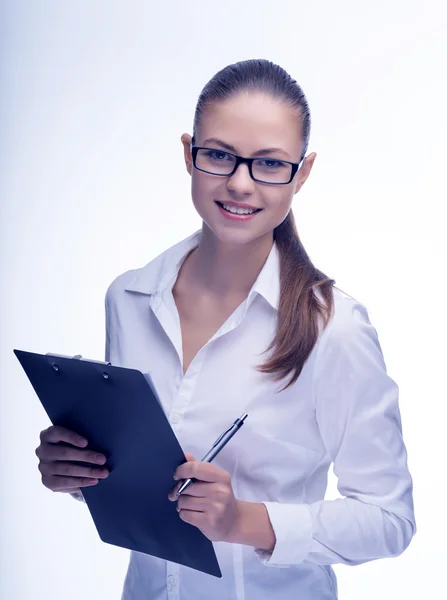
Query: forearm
pixel 253 527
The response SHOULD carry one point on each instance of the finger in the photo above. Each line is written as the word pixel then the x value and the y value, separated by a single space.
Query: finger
pixel 59 484
pixel 72 470
pixel 189 456
pixel 55 434
pixel 191 503
pixel 193 517
pixel 51 452
pixel 191 490
pixel 198 489
pixel 202 471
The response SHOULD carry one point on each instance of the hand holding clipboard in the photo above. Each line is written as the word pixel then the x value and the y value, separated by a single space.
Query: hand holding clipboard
pixel 60 451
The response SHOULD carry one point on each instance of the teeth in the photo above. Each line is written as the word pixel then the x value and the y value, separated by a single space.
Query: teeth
pixel 239 211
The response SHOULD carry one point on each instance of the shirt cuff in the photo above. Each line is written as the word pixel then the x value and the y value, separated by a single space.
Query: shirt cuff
pixel 78 496
pixel 292 525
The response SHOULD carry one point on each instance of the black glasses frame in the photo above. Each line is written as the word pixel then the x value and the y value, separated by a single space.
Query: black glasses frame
pixel 248 161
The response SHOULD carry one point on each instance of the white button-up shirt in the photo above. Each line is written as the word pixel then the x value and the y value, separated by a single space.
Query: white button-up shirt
pixel 342 409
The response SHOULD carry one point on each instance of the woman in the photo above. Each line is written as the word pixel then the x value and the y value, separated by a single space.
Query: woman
pixel 201 315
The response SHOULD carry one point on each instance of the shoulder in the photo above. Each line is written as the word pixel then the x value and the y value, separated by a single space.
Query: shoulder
pixel 349 323
pixel 349 313
pixel 350 335
pixel 147 278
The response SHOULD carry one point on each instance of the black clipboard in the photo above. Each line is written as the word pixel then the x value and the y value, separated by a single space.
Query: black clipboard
pixel 117 409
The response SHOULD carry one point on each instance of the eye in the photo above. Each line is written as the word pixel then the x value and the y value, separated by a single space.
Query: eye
pixel 217 155
pixel 267 163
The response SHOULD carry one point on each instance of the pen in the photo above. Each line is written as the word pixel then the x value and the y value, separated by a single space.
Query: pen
pixel 216 448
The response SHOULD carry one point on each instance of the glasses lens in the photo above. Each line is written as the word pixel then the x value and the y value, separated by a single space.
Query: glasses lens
pixel 217 162
pixel 272 170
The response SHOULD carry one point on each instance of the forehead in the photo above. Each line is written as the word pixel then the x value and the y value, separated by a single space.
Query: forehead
pixel 252 120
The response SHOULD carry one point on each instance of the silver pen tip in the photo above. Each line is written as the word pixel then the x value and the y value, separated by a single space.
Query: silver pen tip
pixel 244 416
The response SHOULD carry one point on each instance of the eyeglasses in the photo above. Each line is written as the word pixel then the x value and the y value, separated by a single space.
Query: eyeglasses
pixel 224 164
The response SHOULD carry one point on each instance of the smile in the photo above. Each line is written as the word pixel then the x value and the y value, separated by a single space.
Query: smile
pixel 237 213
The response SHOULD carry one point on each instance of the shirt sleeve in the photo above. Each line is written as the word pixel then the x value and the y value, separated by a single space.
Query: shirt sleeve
pixel 357 412
pixel 78 495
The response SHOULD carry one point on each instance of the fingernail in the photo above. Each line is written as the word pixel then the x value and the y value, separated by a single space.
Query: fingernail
pixel 99 458
pixel 82 441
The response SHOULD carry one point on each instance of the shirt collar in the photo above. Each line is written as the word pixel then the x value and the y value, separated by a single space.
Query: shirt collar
pixel 156 275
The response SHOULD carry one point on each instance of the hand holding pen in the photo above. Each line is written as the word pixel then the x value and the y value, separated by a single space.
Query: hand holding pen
pixel 220 443
pixel 210 504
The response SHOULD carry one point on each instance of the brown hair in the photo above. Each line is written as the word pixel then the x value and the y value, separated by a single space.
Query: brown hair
pixel 299 308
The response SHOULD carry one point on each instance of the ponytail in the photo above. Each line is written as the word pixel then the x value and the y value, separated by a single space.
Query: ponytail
pixel 299 308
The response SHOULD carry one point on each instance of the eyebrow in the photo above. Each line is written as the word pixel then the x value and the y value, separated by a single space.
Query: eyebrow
pixel 231 148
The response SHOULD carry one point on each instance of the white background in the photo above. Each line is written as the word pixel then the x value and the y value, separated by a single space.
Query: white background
pixel 94 98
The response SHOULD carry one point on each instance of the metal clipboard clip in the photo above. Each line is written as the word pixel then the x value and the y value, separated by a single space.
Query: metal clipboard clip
pixel 79 357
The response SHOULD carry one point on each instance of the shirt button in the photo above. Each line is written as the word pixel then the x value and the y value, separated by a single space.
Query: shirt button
pixel 171 582
pixel 175 418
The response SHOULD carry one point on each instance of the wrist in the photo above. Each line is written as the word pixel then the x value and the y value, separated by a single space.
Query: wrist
pixel 236 532
pixel 252 526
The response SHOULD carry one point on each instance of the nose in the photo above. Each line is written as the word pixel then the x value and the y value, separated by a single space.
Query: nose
pixel 241 182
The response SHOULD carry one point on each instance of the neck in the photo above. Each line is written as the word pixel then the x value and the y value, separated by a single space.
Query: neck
pixel 226 270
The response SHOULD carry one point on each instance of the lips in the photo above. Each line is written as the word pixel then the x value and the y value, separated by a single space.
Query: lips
pixel 236 216
pixel 236 205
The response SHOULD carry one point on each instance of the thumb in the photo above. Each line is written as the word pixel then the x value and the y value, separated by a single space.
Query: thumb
pixel 189 456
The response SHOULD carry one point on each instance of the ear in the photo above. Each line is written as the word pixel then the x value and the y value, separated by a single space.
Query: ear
pixel 304 171
pixel 186 141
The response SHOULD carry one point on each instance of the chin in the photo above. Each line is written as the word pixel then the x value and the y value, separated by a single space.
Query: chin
pixel 234 235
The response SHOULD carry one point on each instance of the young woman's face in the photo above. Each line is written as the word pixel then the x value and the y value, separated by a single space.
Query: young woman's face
pixel 248 123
